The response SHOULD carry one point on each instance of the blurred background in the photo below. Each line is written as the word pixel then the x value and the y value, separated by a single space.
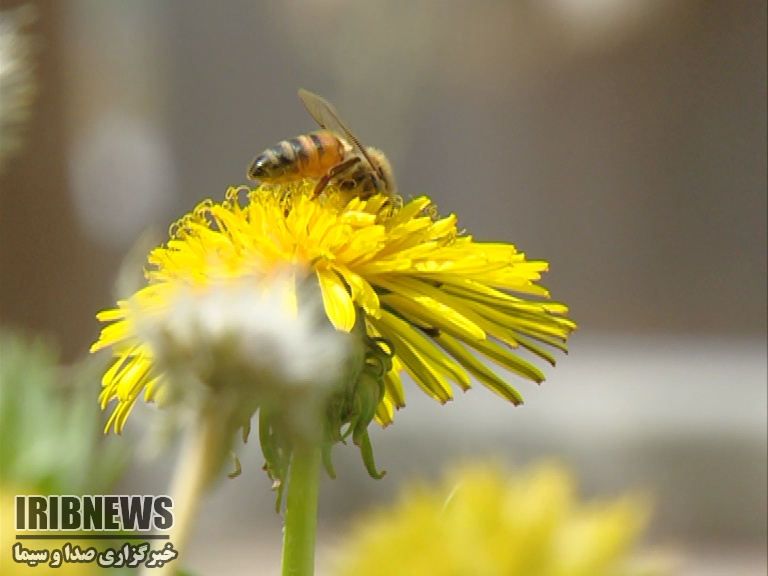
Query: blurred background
pixel 624 141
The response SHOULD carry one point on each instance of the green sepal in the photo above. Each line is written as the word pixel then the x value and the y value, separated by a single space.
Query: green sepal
pixel 238 468
pixel 277 456
pixel 246 430
pixel 327 460
pixel 370 391
pixel 366 450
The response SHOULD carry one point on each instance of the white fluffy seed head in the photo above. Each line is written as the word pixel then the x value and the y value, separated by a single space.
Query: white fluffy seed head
pixel 250 343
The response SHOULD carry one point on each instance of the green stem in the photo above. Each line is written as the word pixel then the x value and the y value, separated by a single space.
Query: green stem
pixel 301 510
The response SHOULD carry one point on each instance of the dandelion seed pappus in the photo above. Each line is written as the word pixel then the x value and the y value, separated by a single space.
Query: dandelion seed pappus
pixel 331 155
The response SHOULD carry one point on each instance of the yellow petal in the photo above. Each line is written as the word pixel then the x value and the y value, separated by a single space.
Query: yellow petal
pixel 385 414
pixel 478 369
pixel 424 346
pixel 362 292
pixel 419 301
pixel 338 303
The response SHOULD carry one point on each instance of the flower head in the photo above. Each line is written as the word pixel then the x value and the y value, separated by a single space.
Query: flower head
pixel 481 520
pixel 422 296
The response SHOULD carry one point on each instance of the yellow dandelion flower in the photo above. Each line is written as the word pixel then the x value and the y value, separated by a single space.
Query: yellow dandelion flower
pixel 426 297
pixel 481 520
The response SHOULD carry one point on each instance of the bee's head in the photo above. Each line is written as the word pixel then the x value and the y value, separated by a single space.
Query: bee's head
pixel 385 176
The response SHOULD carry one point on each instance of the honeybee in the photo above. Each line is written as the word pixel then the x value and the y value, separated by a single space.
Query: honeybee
pixel 333 154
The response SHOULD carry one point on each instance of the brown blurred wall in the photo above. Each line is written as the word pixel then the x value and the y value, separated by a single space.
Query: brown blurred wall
pixel 52 279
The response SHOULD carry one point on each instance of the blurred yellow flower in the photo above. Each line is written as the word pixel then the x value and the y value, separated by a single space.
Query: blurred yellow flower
pixel 481 521
pixel 429 296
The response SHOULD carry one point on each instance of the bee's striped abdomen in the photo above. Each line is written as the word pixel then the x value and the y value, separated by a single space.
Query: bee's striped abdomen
pixel 325 151
pixel 307 156
pixel 300 150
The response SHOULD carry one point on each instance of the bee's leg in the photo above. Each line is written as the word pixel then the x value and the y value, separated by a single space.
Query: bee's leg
pixel 332 173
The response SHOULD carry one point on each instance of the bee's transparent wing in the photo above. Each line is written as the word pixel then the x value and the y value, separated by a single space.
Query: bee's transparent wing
pixel 326 115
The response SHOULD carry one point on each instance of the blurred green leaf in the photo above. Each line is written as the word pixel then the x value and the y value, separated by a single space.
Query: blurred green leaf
pixel 51 423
